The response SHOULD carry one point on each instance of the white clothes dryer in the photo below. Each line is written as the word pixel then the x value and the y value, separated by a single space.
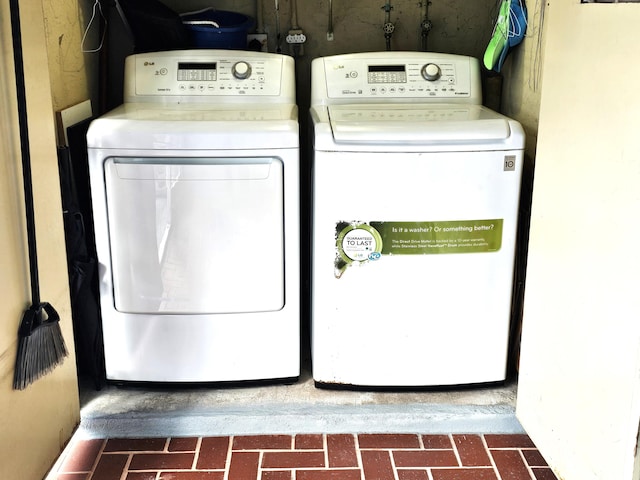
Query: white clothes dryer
pixel 415 204
pixel 195 192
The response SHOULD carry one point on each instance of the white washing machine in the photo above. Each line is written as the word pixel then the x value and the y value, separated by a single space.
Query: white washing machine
pixel 195 192
pixel 415 203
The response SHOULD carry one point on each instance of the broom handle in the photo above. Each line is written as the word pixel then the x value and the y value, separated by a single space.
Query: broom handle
pixel 24 148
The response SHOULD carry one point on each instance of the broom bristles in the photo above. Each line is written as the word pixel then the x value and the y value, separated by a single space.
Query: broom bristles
pixel 39 352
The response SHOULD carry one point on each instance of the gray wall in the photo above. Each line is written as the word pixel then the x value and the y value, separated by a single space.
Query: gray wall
pixel 459 26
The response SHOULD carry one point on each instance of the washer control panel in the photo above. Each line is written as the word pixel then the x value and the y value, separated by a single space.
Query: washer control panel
pixel 203 73
pixel 389 75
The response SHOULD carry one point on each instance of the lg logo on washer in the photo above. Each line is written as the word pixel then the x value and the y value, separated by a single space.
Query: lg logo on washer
pixel 509 163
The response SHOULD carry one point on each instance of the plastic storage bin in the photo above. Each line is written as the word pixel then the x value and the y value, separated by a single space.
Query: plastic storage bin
pixel 212 28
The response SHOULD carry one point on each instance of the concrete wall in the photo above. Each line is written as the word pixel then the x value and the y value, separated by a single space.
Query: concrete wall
pixel 459 26
pixel 522 77
pixel 38 421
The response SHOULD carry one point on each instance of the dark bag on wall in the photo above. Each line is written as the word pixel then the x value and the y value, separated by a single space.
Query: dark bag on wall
pixel 87 326
pixel 81 261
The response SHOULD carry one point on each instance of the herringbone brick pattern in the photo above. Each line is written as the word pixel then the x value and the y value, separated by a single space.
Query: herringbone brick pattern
pixel 307 457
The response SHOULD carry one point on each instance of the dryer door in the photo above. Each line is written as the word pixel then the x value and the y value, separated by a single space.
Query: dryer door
pixel 196 235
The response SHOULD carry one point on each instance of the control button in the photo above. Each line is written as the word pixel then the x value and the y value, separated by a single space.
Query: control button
pixel 241 70
pixel 431 72
pixel 353 74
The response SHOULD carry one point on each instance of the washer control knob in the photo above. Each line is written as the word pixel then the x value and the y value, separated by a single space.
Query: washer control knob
pixel 241 70
pixel 431 72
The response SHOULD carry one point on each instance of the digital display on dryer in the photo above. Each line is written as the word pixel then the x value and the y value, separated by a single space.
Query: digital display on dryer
pixel 197 72
pixel 387 74
pixel 387 68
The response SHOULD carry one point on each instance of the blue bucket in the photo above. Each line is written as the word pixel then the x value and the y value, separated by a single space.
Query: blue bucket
pixel 212 28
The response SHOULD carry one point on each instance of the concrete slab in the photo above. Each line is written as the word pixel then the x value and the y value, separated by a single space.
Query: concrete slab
pixel 131 411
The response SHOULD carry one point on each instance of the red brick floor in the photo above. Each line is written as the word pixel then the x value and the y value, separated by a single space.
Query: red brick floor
pixel 307 457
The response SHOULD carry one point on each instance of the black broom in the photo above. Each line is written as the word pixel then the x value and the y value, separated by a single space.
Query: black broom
pixel 40 342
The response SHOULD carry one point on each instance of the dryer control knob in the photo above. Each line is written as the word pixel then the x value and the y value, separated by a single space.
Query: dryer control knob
pixel 431 72
pixel 241 70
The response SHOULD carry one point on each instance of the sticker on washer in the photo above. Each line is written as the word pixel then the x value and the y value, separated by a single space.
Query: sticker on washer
pixel 361 242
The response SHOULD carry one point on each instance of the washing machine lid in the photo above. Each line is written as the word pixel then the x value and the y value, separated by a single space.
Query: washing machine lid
pixel 393 124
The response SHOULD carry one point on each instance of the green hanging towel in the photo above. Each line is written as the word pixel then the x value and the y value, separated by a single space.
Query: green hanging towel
pixel 499 38
pixel 508 32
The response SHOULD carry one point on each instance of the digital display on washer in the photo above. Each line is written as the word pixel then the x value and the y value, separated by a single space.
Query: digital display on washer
pixel 387 74
pixel 197 72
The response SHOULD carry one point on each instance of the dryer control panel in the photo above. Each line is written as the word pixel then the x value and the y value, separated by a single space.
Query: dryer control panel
pixel 392 76
pixel 201 76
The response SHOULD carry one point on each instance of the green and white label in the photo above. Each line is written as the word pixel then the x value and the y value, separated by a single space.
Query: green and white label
pixel 368 241
pixel 420 238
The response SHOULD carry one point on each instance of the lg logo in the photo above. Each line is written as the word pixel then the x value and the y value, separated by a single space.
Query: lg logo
pixel 509 163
